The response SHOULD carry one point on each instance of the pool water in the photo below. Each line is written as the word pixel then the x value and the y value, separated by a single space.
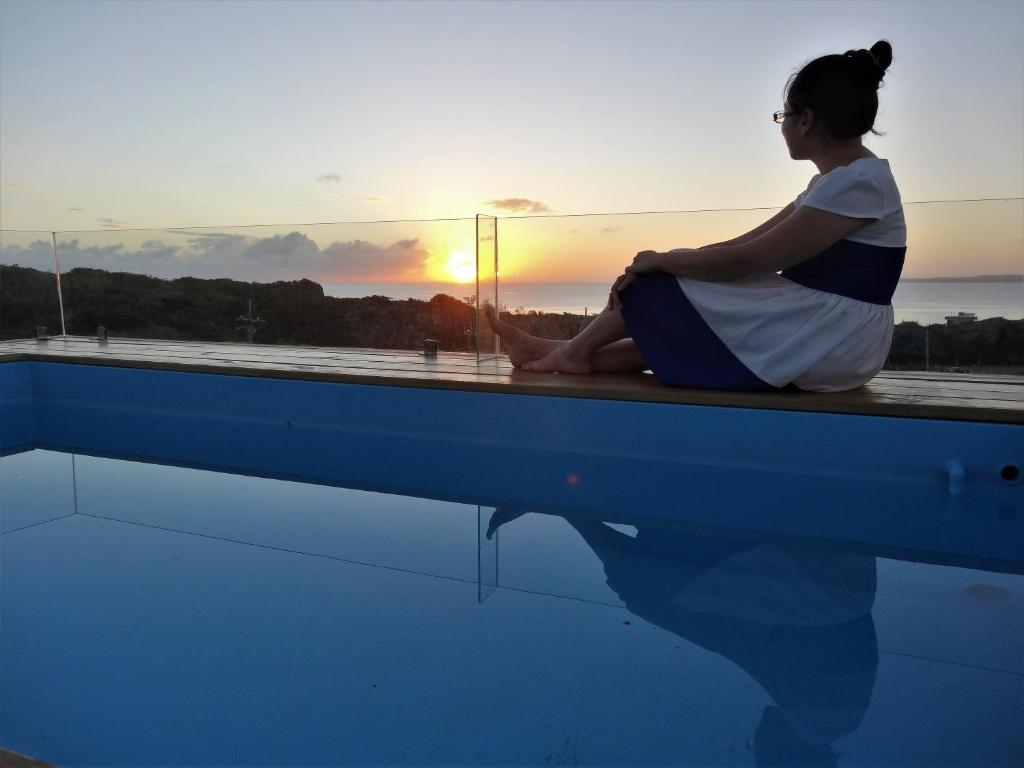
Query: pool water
pixel 156 614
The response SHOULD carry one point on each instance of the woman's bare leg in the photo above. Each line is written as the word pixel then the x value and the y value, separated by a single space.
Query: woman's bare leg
pixel 575 356
pixel 522 347
pixel 620 356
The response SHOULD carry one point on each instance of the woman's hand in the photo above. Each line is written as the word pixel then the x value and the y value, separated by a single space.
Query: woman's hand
pixel 643 262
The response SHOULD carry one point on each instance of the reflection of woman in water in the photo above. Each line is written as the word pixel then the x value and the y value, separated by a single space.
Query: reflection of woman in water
pixel 719 317
pixel 796 618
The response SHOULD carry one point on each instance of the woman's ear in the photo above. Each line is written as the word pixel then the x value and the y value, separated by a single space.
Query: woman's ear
pixel 806 121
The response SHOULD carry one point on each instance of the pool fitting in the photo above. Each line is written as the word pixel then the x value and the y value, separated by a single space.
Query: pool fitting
pixel 1010 473
pixel 957 477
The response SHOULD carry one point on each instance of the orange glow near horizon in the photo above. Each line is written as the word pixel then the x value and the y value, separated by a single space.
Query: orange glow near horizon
pixel 461 267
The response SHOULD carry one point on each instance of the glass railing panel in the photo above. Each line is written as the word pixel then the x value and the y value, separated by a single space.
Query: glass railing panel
pixel 382 285
pixel 486 284
pixel 29 289
pixel 970 320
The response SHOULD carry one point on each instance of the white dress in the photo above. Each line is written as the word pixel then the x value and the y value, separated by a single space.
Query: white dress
pixel 825 325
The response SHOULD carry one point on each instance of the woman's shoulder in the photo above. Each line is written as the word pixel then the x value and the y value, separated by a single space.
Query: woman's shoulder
pixel 864 188
pixel 862 167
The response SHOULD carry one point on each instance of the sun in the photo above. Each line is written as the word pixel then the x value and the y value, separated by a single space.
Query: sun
pixel 460 267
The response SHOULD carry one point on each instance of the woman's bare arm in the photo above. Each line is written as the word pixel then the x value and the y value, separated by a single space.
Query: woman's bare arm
pixel 757 231
pixel 807 232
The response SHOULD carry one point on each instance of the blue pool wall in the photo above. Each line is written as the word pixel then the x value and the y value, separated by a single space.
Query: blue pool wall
pixel 17 409
pixel 878 480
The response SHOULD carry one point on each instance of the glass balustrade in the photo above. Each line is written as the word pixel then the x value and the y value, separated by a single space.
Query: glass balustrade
pixel 403 286
pixel 379 286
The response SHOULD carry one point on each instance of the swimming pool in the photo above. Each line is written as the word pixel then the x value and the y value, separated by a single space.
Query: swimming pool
pixel 665 589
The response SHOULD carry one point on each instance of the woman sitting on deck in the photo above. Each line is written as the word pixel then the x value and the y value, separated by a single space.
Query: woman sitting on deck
pixel 722 316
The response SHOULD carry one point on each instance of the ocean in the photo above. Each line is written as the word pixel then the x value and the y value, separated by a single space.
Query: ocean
pixel 925 302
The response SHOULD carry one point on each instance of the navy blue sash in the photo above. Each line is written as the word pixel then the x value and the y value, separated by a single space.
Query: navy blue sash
pixel 856 270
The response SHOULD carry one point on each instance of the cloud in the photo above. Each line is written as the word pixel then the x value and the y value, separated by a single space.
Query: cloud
pixel 329 178
pixel 290 256
pixel 610 230
pixel 38 255
pixel 371 199
pixel 517 204
pixel 201 233
pixel 358 259
pixel 76 209
pixel 111 224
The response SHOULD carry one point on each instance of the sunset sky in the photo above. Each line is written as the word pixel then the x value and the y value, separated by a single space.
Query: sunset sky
pixel 123 116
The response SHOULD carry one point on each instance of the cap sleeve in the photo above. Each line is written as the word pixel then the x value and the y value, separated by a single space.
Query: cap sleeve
pixel 800 198
pixel 850 192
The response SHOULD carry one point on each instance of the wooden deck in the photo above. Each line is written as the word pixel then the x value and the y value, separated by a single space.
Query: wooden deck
pixel 963 397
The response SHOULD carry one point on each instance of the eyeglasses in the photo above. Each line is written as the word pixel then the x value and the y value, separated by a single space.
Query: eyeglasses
pixel 779 116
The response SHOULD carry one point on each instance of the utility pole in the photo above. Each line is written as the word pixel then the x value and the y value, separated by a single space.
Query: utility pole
pixel 248 324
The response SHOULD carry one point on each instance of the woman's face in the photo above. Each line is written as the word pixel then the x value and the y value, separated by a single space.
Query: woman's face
pixel 791 133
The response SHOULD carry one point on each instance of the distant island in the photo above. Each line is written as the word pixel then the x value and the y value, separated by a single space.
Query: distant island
pixel 297 313
pixel 974 279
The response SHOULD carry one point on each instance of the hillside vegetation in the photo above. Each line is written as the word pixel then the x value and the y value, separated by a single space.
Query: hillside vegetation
pixel 298 313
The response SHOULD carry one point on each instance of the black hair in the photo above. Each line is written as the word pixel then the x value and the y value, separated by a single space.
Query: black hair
pixel 842 89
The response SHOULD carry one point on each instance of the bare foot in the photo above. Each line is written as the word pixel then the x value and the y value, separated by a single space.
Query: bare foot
pixel 558 361
pixel 522 347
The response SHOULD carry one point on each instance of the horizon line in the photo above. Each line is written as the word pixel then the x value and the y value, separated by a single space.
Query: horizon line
pixel 1006 277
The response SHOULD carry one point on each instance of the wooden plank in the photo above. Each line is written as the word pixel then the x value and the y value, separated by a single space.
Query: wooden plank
pixel 952 386
pixel 413 365
pixel 468 357
pixel 446 360
pixel 261 350
pixel 346 358
pixel 443 362
pixel 349 364
pixel 929 375
pixel 362 357
pixel 251 348
pixel 906 385
pixel 254 352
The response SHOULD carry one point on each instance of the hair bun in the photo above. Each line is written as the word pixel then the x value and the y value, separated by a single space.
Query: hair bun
pixel 881 52
pixel 870 66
